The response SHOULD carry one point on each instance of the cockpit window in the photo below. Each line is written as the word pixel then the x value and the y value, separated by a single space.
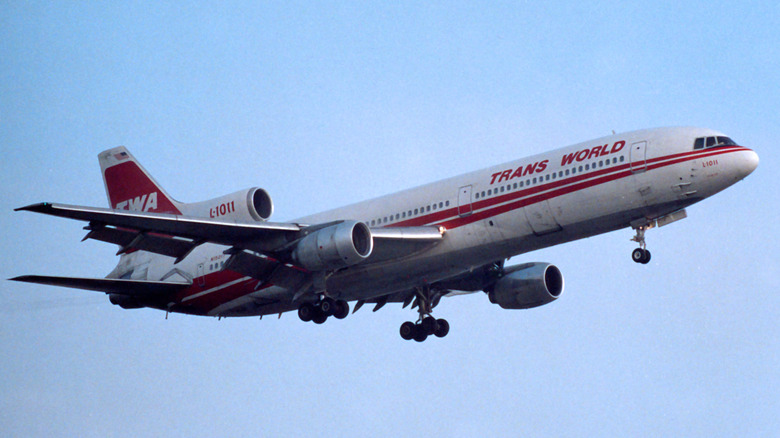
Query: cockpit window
pixel 710 142
pixel 725 141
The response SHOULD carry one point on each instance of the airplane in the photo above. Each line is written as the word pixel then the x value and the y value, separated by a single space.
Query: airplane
pixel 224 258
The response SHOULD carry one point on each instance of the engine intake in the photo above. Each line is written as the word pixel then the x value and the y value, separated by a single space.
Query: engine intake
pixel 527 285
pixel 335 247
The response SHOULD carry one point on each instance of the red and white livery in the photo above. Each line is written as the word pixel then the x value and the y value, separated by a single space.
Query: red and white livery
pixel 223 257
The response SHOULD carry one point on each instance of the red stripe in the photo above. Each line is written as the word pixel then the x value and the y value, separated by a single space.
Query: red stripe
pixel 215 298
pixel 449 218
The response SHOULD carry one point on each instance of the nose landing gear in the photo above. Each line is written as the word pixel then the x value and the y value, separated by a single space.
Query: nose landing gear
pixel 641 254
pixel 426 324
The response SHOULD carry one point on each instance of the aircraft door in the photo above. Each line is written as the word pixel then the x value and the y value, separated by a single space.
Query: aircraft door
pixel 464 201
pixel 201 274
pixel 638 157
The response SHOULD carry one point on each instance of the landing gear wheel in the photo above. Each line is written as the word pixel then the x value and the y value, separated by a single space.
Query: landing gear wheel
pixel 429 325
pixel 319 318
pixel 407 330
pixel 640 255
pixel 327 306
pixel 306 312
pixel 420 333
pixel 442 328
pixel 341 309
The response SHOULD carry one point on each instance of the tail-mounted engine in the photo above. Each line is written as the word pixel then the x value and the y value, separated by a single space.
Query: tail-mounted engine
pixel 250 205
pixel 527 285
pixel 335 247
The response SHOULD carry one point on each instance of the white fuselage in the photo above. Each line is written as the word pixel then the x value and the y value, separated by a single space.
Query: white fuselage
pixel 493 214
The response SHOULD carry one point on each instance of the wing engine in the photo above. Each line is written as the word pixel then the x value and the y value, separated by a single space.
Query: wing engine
pixel 527 285
pixel 334 247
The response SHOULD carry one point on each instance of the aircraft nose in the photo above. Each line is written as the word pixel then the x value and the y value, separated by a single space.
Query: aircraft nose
pixel 748 163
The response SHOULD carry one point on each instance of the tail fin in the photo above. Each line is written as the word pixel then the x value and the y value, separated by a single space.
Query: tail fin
pixel 130 187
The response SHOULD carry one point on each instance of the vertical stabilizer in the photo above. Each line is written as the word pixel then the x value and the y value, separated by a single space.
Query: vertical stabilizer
pixel 130 187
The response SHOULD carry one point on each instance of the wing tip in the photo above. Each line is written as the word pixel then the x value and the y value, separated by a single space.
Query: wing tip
pixel 37 208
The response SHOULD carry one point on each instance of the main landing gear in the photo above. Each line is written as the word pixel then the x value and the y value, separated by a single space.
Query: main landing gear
pixel 641 254
pixel 426 324
pixel 320 311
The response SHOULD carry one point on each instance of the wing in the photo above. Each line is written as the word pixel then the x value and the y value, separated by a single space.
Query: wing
pixel 134 288
pixel 260 250
pixel 154 232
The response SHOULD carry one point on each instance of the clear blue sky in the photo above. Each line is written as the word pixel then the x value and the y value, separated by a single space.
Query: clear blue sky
pixel 325 104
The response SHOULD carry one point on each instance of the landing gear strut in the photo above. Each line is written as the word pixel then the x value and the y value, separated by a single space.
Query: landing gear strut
pixel 426 324
pixel 641 254
pixel 320 311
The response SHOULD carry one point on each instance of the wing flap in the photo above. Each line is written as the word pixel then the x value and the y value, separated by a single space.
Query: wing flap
pixel 134 240
pixel 134 288
pixel 266 269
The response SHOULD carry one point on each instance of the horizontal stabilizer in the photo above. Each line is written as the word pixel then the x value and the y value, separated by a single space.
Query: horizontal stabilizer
pixel 134 288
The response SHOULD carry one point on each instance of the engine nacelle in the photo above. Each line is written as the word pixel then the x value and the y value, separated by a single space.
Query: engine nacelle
pixel 125 302
pixel 335 247
pixel 527 285
pixel 250 205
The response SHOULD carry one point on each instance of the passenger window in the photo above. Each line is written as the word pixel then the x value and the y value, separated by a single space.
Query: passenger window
pixel 567 172
pixel 415 212
pixel 622 158
pixel 447 203
pixel 534 180
pixel 587 167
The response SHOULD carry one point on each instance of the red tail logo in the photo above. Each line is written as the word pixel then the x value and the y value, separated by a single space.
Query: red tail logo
pixel 130 188
pixel 139 203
